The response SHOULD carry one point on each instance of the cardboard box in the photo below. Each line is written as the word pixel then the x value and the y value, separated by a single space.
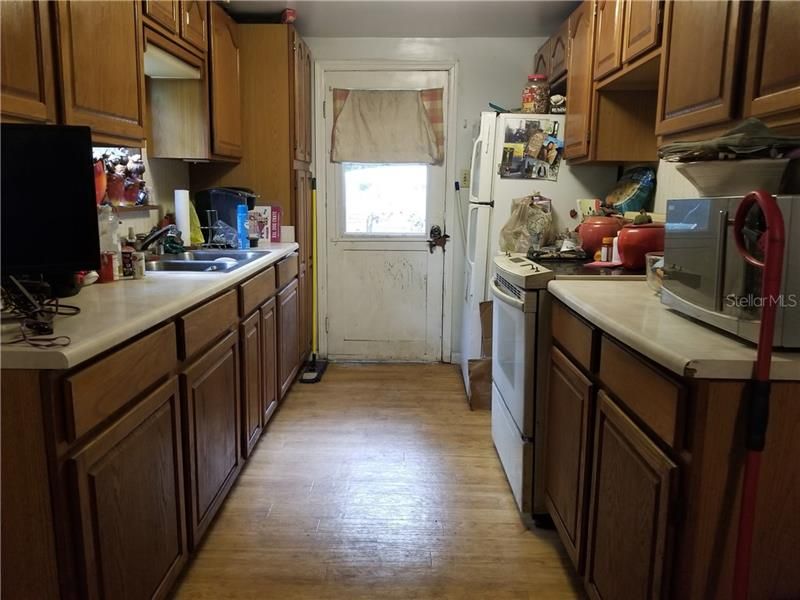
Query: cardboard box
pixel 485 309
pixel 480 384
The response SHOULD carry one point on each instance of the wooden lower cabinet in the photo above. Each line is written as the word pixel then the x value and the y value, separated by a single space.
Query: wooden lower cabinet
pixel 252 381
pixel 269 358
pixel 288 311
pixel 128 485
pixel 211 397
pixel 569 415
pixel 633 484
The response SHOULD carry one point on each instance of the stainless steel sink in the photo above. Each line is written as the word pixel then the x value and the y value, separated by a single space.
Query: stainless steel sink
pixel 204 261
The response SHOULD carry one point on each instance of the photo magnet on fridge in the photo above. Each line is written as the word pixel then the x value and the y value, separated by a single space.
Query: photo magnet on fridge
pixel 531 149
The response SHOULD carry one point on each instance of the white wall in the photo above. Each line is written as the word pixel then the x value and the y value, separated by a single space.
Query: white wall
pixel 489 69
pixel 670 184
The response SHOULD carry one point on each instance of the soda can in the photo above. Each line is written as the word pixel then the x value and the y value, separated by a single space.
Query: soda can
pixel 138 265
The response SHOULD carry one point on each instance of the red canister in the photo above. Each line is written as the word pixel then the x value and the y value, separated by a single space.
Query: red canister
pixel 637 240
pixel 107 267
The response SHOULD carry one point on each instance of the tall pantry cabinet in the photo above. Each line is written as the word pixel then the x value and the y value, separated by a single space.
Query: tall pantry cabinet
pixel 276 146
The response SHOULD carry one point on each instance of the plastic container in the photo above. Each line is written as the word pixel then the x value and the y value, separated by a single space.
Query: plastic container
pixel 654 265
pixel 536 95
pixel 241 226
pixel 606 251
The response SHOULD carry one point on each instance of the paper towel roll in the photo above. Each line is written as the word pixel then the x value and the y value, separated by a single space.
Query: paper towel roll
pixel 182 215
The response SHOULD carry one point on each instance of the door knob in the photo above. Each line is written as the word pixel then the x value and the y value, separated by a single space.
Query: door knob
pixel 437 238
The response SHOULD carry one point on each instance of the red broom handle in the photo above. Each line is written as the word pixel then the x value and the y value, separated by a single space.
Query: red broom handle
pixel 758 398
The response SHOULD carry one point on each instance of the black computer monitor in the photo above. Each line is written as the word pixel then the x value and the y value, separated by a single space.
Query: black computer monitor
pixel 48 209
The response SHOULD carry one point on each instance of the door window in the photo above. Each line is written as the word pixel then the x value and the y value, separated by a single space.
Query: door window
pixel 385 199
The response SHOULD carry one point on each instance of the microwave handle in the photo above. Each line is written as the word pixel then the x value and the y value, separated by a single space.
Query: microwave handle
pixel 719 281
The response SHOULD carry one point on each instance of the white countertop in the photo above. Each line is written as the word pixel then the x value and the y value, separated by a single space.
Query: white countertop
pixel 114 312
pixel 630 312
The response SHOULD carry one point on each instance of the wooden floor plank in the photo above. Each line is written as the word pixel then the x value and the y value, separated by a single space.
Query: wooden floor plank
pixel 376 483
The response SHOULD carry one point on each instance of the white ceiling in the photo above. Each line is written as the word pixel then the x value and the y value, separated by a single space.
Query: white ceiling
pixel 415 18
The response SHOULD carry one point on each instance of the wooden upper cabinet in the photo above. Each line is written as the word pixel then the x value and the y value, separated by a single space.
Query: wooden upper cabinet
pixel 579 81
pixel 697 82
pixel 164 12
pixel 608 37
pixel 225 90
pixel 559 51
pixel 632 489
pixel 642 30
pixel 28 86
pixel 541 61
pixel 102 73
pixel 130 505
pixel 773 74
pixel 301 60
pixel 194 17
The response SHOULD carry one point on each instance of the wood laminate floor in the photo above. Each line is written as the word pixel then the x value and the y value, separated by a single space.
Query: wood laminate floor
pixel 377 482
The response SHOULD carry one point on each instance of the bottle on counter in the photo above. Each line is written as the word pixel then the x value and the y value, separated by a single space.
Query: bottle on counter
pixel 607 249
pixel 536 95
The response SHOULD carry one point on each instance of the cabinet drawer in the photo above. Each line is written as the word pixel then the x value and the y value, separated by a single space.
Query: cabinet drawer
pixel 93 394
pixel 575 336
pixel 205 324
pixel 286 270
pixel 256 290
pixel 653 397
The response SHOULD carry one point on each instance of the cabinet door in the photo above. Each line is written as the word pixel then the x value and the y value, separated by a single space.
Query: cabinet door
pixel 642 31
pixel 559 51
pixel 541 62
pixel 773 81
pixel 164 12
pixel 130 503
pixel 211 396
pixel 226 105
pixel 269 357
pixel 194 23
pixel 579 82
pixel 102 73
pixel 633 484
pixel 301 101
pixel 698 65
pixel 252 381
pixel 608 37
pixel 28 87
pixel 288 336
pixel 567 443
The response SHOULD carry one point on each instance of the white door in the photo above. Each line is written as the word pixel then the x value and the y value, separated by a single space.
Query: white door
pixel 384 285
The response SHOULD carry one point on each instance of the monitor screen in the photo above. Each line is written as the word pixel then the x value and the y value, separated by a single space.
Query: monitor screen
pixel 47 200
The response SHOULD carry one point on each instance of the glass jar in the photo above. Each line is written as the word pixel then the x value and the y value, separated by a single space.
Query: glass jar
pixel 536 95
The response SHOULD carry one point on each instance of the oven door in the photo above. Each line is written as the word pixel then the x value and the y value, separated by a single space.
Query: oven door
pixel 513 356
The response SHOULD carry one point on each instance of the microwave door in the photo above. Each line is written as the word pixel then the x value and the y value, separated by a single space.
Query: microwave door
pixel 694 250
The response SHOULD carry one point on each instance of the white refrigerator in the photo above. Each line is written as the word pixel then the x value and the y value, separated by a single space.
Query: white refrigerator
pixel 515 155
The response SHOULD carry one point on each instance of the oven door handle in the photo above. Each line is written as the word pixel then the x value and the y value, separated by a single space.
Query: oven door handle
pixel 510 300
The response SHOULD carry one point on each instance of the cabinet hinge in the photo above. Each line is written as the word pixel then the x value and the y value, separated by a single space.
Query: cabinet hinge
pixel 660 18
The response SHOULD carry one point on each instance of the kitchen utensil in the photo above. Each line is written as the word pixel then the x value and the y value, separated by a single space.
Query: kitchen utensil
pixel 772 243
pixel 637 240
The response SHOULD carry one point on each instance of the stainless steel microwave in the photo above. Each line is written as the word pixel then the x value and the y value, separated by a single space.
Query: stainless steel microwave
pixel 706 278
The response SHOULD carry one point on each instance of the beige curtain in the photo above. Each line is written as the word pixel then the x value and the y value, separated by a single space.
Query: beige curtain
pixel 388 126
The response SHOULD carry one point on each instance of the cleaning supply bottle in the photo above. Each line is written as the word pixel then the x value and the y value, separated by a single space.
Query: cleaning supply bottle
pixel 241 227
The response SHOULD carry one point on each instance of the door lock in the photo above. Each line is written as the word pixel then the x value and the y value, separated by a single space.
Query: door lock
pixel 437 238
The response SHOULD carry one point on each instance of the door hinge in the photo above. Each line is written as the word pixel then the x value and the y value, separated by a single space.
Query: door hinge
pixel 324 103
pixel 327 325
